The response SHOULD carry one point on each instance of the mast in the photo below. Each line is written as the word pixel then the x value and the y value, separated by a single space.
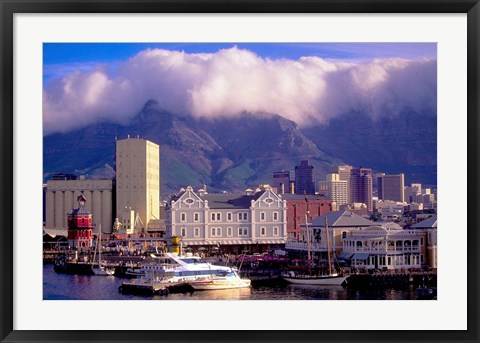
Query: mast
pixel 100 244
pixel 328 247
pixel 306 228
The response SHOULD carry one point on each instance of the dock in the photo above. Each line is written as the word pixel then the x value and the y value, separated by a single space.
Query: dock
pixel 154 288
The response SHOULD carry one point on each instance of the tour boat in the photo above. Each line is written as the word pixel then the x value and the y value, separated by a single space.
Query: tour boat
pixel 172 269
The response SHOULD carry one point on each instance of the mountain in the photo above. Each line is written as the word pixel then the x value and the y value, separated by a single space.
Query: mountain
pixel 226 154
pixel 391 144
pixel 232 154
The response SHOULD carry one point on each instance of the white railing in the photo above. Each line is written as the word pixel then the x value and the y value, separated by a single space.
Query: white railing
pixel 304 246
pixel 382 249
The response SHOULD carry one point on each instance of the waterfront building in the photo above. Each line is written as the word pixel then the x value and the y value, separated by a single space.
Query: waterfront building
pixel 363 243
pixel 429 225
pixel 384 247
pixel 297 207
pixel 335 189
pixel 254 221
pixel 281 182
pixel 391 187
pixel 80 225
pixel 137 185
pixel 60 198
pixel 304 178
pixel 338 222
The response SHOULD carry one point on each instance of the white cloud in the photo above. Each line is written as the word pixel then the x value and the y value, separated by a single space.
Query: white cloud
pixel 232 81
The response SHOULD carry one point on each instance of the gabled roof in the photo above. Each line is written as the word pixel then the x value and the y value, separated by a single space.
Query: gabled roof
pixel 342 219
pixel 225 201
pixel 428 223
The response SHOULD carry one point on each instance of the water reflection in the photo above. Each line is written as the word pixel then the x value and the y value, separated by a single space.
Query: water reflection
pixel 82 287
pixel 221 294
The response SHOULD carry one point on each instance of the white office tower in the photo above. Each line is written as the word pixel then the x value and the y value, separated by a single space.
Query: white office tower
pixel 138 184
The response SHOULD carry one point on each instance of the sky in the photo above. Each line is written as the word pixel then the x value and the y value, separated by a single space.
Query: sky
pixel 84 83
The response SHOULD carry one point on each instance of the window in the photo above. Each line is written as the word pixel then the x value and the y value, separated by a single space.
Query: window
pixel 263 231
pixel 183 217
pixel 245 216
pixel 262 216
pixel 275 216
pixel 196 217
pixel 183 232
pixel 243 231
pixel 215 232
pixel 421 241
pixel 229 216
pixel 275 231
pixel 229 231
pixel 196 231
pixel 215 216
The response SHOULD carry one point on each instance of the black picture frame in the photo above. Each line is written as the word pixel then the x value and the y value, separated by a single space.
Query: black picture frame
pixel 9 8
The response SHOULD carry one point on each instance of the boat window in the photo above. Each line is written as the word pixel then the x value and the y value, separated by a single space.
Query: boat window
pixel 193 260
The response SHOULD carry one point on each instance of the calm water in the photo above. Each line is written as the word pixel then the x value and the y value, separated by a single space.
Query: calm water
pixel 92 287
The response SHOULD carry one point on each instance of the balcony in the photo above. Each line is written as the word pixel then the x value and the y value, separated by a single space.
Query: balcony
pixel 303 246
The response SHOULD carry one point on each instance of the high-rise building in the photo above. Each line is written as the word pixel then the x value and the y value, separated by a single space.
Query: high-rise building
pixel 304 179
pixel 138 184
pixel 281 182
pixel 391 187
pixel 335 189
pixel 345 174
pixel 361 185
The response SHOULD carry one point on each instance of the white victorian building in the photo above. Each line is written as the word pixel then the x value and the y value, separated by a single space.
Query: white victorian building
pixel 230 223
pixel 364 243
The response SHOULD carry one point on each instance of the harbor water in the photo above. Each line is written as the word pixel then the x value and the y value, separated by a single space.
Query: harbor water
pixel 58 286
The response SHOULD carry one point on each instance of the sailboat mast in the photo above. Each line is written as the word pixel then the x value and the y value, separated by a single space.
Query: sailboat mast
pixel 328 247
pixel 100 244
pixel 306 228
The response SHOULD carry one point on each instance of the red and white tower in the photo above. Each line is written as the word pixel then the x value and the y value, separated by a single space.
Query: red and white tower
pixel 80 225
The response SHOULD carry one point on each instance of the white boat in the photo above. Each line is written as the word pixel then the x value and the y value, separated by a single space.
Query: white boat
pixel 173 269
pixel 330 279
pixel 100 269
pixel 228 281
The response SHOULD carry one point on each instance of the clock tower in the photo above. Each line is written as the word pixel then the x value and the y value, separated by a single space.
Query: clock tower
pixel 80 225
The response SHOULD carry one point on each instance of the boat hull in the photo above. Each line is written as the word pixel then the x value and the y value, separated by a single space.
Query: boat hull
pixel 215 285
pixel 102 272
pixel 326 280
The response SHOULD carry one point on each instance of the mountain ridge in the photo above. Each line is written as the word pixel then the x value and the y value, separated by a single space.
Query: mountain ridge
pixel 227 154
